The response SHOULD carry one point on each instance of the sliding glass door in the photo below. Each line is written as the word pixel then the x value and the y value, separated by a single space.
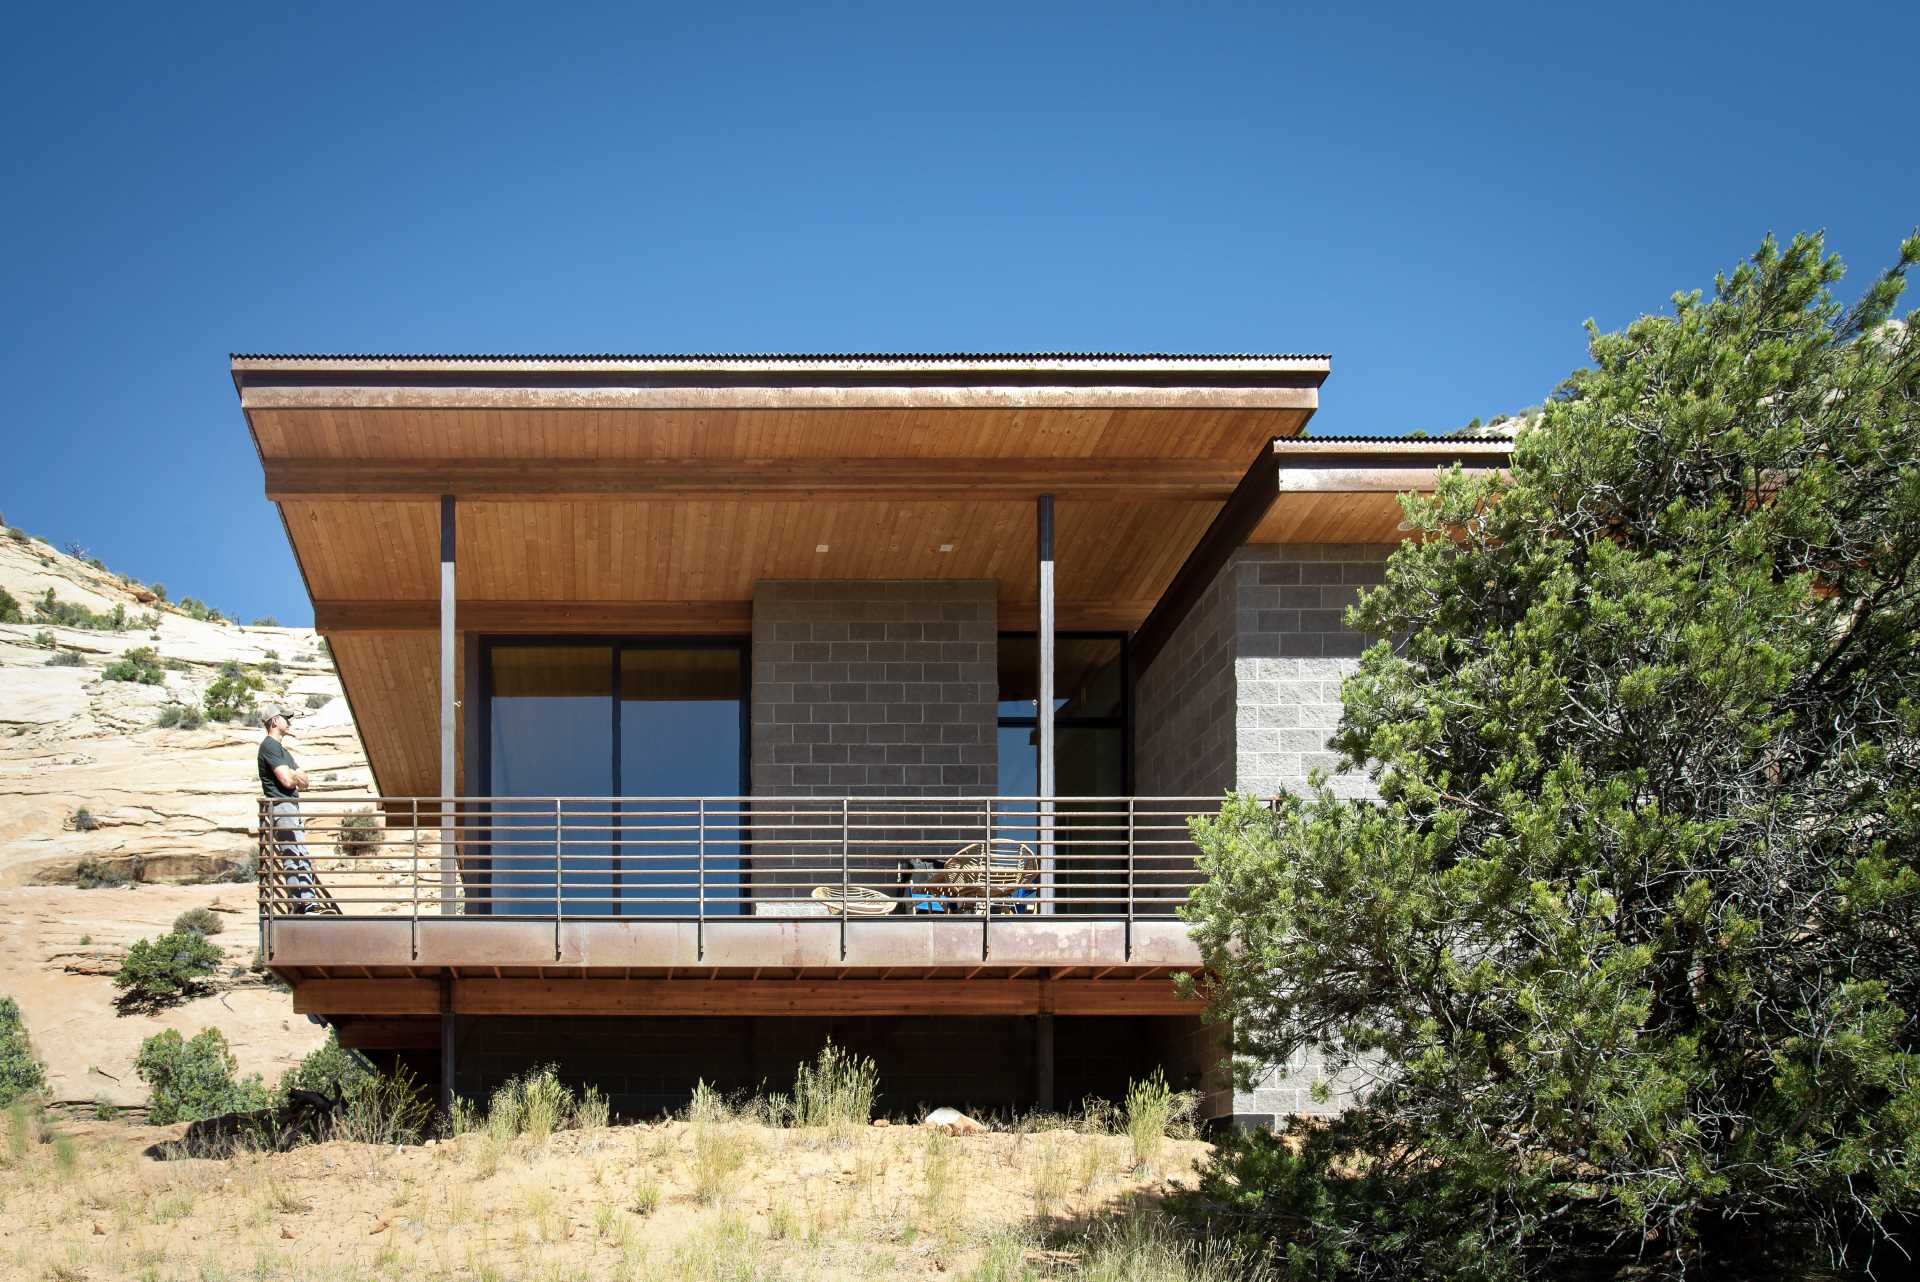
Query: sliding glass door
pixel 681 736
pixel 585 743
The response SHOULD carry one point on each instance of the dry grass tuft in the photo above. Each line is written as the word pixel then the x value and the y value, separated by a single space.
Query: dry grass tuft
pixel 720 1144
pixel 719 1194
pixel 1151 1109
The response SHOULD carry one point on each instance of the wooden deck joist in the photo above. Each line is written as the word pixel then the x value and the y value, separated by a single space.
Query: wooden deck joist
pixel 984 996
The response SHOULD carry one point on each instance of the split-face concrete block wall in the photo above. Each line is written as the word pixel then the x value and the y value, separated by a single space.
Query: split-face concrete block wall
pixel 1243 697
pixel 868 689
pixel 874 688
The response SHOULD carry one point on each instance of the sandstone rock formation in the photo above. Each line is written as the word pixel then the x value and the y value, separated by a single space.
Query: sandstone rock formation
pixel 172 810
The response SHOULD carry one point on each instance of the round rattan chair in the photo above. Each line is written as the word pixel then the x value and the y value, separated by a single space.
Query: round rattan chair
pixel 1006 876
pixel 858 901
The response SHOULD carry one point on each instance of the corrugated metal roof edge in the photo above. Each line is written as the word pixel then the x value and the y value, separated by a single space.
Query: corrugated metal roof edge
pixel 1424 442
pixel 794 358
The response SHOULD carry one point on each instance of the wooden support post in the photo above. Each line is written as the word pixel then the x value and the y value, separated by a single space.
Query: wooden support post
pixel 1043 524
pixel 449 785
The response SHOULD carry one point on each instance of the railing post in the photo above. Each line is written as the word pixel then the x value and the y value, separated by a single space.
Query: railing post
pixel 986 887
pixel 700 877
pixel 260 880
pixel 559 899
pixel 1132 824
pixel 845 884
pixel 413 931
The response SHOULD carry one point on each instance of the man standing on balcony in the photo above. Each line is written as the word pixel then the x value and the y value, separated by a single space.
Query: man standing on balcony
pixel 281 780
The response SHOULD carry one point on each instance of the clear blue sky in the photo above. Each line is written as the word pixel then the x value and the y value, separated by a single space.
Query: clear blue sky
pixel 1437 195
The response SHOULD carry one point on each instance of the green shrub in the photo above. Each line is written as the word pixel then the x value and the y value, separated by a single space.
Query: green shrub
pixel 359 833
pixel 272 667
pixel 329 1068
pixel 44 639
pixel 1622 947
pixel 140 665
pixel 20 1072
pixel 159 971
pixel 97 874
pixel 203 920
pixel 192 1079
pixel 66 659
pixel 230 697
pixel 18 535
pixel 83 820
pixel 319 700
pixel 10 611
pixel 180 716
pixel 159 591
pixel 48 608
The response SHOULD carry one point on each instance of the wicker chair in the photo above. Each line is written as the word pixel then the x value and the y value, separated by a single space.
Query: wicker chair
pixel 856 901
pixel 1004 876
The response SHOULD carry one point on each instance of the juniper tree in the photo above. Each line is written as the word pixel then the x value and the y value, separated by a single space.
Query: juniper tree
pixel 1629 943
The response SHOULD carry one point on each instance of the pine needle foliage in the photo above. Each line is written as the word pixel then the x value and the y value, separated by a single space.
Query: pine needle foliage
pixel 1626 945
pixel 193 1078
pixel 160 971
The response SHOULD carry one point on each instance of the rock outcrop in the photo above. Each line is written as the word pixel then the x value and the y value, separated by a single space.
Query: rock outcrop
pixel 170 811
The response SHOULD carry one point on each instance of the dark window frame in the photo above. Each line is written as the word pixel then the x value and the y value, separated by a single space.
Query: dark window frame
pixel 616 645
pixel 1123 721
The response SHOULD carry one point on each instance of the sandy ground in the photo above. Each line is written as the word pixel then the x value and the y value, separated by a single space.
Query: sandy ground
pixel 622 1202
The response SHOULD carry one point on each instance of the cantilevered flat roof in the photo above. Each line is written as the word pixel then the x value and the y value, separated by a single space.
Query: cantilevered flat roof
pixel 643 494
pixel 787 360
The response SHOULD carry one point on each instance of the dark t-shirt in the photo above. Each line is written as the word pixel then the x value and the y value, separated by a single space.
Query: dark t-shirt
pixel 274 753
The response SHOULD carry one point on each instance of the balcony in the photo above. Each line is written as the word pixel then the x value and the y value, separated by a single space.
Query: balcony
pixel 788 905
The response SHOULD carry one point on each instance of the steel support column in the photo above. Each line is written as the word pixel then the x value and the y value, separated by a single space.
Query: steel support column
pixel 447 1065
pixel 449 785
pixel 1043 527
pixel 1043 1062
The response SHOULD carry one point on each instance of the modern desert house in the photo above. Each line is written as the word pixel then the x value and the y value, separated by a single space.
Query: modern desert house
pixel 718 704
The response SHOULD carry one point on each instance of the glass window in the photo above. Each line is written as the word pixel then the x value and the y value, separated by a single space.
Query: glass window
pixel 1088 676
pixel 551 735
pixel 555 729
pixel 680 738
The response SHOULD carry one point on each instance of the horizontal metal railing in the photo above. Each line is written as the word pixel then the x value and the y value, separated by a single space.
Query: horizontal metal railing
pixel 712 858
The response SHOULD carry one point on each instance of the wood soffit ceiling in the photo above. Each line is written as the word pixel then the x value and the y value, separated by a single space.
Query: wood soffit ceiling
pixel 648 494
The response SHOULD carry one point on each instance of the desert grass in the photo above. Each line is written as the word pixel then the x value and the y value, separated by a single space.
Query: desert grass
pixel 834 1092
pixel 719 1193
pixel 720 1143
pixel 1151 1110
